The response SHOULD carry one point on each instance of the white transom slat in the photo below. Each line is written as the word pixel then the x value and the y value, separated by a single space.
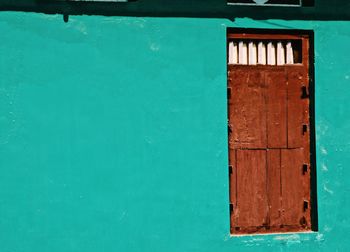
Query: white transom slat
pixel 254 52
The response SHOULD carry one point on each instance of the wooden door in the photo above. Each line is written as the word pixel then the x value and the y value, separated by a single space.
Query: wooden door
pixel 269 136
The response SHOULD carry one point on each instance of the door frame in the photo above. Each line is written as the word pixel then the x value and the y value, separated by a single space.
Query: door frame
pixel 289 34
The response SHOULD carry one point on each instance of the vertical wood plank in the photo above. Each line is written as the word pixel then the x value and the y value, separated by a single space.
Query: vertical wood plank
pixel 271 54
pixel 252 52
pixel 261 53
pixel 242 53
pixel 274 188
pixel 281 54
pixel 292 186
pixel 251 188
pixel 233 53
pixel 307 185
pixel 248 111
pixel 290 57
pixel 298 108
pixel 276 82
pixel 233 187
pixel 233 178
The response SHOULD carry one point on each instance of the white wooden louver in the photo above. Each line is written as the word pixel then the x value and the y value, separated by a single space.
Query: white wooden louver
pixel 243 52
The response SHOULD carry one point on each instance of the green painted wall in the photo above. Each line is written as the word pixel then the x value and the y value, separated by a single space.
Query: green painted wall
pixel 113 135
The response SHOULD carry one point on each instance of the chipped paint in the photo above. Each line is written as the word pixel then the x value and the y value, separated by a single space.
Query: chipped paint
pixel 325 187
pixel 289 239
pixel 323 150
pixel 154 47
pixel 320 237
pixel 324 167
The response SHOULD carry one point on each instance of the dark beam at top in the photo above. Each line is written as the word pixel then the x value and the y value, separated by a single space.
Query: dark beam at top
pixel 322 10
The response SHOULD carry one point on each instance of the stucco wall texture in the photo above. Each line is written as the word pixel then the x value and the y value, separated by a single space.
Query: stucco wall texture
pixel 113 135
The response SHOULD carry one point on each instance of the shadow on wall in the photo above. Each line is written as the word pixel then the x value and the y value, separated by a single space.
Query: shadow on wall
pixel 322 9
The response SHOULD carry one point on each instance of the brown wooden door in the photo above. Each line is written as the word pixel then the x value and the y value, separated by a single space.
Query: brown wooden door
pixel 269 145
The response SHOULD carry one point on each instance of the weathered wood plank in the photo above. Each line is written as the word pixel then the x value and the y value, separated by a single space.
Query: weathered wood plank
pixel 276 82
pixel 233 177
pixel 292 186
pixel 233 186
pixel 298 108
pixel 274 187
pixel 252 205
pixel 248 111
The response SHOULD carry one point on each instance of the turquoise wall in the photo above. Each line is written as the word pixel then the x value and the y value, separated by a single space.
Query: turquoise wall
pixel 113 135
